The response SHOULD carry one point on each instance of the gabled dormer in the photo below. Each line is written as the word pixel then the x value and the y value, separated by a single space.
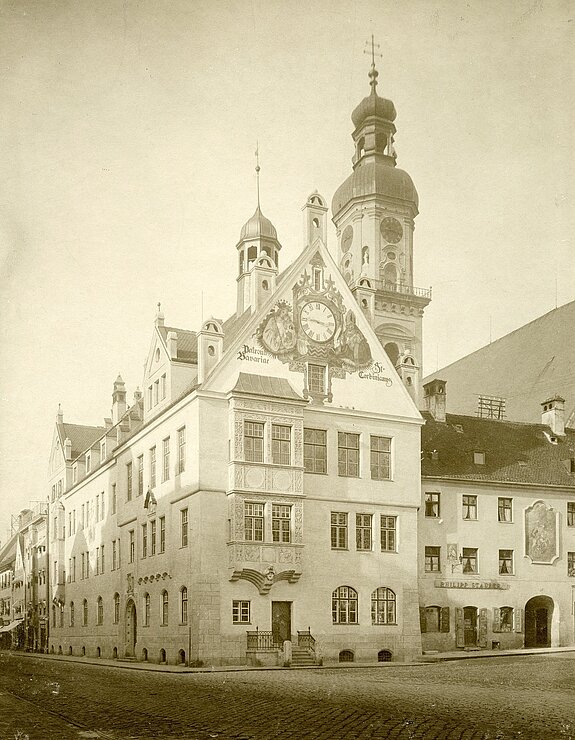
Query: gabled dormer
pixel 171 365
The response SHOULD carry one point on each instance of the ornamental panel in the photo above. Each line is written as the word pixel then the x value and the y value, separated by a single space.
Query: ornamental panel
pixel 541 533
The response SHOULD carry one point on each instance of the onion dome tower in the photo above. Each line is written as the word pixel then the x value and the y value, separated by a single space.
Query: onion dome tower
pixel 258 249
pixel 373 212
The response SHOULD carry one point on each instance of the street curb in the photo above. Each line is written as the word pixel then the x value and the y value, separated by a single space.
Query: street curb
pixel 155 668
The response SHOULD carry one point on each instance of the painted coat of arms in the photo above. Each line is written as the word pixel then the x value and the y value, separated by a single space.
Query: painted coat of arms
pixel 541 533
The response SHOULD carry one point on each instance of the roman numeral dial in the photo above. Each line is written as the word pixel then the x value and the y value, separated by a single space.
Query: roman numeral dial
pixel 318 321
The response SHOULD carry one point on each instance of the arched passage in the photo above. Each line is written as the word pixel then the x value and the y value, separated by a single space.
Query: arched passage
pixel 538 620
pixel 131 629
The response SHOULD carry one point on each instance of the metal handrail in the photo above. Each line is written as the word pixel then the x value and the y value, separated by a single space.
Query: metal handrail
pixel 261 640
pixel 396 287
pixel 306 640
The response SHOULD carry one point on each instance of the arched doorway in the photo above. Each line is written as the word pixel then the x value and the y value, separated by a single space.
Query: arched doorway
pixel 131 629
pixel 538 617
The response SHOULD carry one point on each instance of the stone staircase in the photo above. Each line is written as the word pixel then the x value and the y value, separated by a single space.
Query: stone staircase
pixel 302 657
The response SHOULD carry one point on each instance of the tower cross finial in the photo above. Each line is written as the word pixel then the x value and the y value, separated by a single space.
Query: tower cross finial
pixel 370 48
pixel 258 170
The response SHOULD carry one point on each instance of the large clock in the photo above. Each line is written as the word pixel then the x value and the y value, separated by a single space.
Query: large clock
pixel 391 230
pixel 317 321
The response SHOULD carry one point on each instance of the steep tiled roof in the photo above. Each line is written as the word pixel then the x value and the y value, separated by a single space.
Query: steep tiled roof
pixel 233 326
pixel 514 452
pixel 8 552
pixel 187 344
pixel 525 367
pixel 265 385
pixel 81 436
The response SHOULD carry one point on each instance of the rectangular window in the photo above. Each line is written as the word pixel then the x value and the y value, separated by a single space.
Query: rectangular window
pixel 153 537
pixel 184 528
pixel 253 522
pixel 114 499
pixel 156 386
pixel 281 523
pixel 315 450
pixel 363 531
pixel 102 506
pixel 145 540
pixel 241 612
pixel 338 530
pixel 571 513
pixel 432 505
pixel 83 511
pixel 132 546
pixel 470 560
pixel 504 509
pixel 479 458
pixel 505 562
pixel 129 481
pixel 571 564
pixel 140 475
pixel 97 507
pixel 388 532
pixel 102 559
pixel 162 387
pixel 88 463
pixel 150 403
pixel 380 458
pixel 181 449
pixel 469 507
pixel 432 559
pixel 114 555
pixel 162 534
pixel 253 441
pixel 97 561
pixel 506 619
pixel 83 571
pixel 281 444
pixel 348 454
pixel 75 474
pixel 316 378
pixel 166 465
pixel 103 450
pixel 153 467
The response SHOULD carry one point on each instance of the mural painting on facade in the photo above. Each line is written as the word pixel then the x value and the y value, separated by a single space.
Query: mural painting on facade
pixel 317 327
pixel 541 541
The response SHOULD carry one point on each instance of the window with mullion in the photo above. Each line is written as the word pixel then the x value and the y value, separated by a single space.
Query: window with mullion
pixel 281 523
pixel 153 467
pixel 253 441
pixel 315 450
pixel 281 444
pixel 432 504
pixel 363 531
pixel 380 458
pixel 348 454
pixel 166 463
pixel 505 562
pixel 504 509
pixel 388 529
pixel 432 559
pixel 344 605
pixel 470 560
pixel 571 513
pixel 469 507
pixel 338 530
pixel 140 475
pixel 253 522
pixel 383 606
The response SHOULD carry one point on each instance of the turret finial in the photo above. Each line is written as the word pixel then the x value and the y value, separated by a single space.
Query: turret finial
pixel 258 170
pixel 373 73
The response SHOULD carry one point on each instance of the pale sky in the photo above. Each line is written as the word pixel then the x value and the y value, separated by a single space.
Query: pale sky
pixel 127 142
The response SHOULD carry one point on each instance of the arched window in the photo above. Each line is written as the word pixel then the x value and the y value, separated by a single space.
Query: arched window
pixel 85 612
pixel 346 656
pixel 100 611
pixel 164 607
pixel 390 275
pixel 116 608
pixel 344 605
pixel 361 147
pixel 146 610
pixel 53 615
pixel 384 656
pixel 184 605
pixel 383 606
pixel 392 351
pixel 61 620
pixel 71 614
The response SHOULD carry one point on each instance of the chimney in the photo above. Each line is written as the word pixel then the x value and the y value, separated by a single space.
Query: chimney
pixel 60 415
pixel 553 414
pixel 172 342
pixel 434 397
pixel 159 316
pixel 137 396
pixel 108 423
pixel 118 400
pixel 68 448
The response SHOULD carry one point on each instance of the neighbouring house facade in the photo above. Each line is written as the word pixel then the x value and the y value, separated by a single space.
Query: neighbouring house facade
pixel 496 529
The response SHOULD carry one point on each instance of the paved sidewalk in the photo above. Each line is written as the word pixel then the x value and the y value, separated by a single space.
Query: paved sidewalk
pixel 426 658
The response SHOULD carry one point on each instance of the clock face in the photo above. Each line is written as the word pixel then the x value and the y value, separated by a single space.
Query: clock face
pixel 391 230
pixel 318 321
pixel 346 238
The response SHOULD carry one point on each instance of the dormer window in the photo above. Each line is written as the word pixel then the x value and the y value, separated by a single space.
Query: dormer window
pixel 317 278
pixel 479 458
pixel 103 450
pixel 88 462
pixel 75 474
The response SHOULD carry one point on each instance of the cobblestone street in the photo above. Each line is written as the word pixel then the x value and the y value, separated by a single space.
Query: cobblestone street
pixel 496 698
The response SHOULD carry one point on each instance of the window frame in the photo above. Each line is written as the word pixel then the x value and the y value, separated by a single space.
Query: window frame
pixel 502 507
pixel 313 378
pixel 345 605
pixel 503 560
pixel 345 465
pixel 470 505
pixel 383 604
pixel 339 528
pixel 281 445
pixel 181 450
pixel 280 532
pixel 432 504
pixel 387 533
pixel 313 446
pixel 252 516
pixel 432 559
pixel 472 558
pixel 241 608
pixel 165 459
pixel 377 455
pixel 363 532
pixel 184 527
pixel 183 605
pixel 570 514
pixel 254 448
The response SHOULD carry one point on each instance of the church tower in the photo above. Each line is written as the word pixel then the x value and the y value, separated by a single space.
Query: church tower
pixel 374 212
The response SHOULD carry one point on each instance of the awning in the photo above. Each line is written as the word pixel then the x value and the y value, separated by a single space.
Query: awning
pixel 11 626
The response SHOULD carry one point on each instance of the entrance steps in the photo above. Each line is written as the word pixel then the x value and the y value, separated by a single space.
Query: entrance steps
pixel 302 657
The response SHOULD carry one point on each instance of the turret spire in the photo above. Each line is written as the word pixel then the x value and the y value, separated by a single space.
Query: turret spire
pixel 373 73
pixel 258 170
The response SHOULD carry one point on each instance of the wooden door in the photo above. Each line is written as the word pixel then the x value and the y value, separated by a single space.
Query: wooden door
pixel 131 629
pixel 470 626
pixel 281 621
pixel 541 638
